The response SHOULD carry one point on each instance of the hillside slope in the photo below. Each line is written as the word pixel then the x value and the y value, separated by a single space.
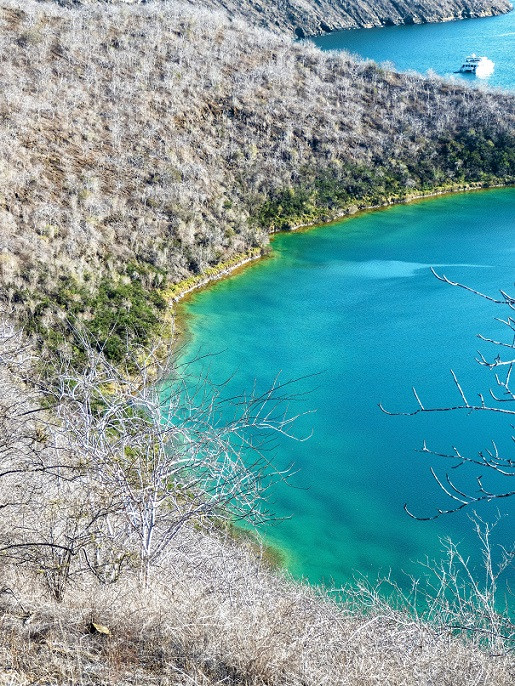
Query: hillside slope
pixel 311 17
pixel 307 17
pixel 216 615
pixel 144 144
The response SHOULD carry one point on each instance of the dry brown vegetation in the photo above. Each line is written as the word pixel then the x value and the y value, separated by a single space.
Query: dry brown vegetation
pixel 306 17
pixel 173 138
pixel 219 616
pixel 142 144
pixel 211 610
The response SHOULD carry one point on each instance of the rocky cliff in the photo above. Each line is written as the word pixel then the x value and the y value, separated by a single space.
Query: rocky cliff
pixel 311 17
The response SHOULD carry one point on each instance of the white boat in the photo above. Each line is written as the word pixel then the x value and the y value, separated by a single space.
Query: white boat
pixel 480 66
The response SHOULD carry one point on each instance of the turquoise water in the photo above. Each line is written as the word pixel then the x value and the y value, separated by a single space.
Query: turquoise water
pixel 354 308
pixel 356 304
pixel 439 47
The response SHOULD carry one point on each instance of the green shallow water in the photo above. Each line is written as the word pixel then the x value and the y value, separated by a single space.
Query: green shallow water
pixel 356 304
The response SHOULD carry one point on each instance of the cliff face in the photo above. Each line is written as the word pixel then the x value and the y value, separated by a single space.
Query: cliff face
pixel 311 17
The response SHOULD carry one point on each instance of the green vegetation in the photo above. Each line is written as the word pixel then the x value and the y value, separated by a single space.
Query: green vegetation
pixel 176 291
pixel 471 157
pixel 123 311
pixel 479 155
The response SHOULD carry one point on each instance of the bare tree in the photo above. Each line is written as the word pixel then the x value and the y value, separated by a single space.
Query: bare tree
pixel 454 595
pixel 48 515
pixel 500 399
pixel 463 601
pixel 102 465
pixel 166 448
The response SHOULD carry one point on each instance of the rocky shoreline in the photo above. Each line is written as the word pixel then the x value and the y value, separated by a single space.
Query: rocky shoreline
pixel 314 17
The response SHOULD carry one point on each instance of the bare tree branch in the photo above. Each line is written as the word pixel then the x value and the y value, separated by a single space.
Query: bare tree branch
pixel 489 459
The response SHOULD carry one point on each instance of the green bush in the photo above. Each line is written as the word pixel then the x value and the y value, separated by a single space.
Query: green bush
pixel 121 311
pixel 471 156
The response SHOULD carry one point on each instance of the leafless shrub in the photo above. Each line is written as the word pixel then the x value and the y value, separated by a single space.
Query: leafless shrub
pixel 121 460
pixel 167 450
pixel 210 611
pixel 499 400
pixel 216 614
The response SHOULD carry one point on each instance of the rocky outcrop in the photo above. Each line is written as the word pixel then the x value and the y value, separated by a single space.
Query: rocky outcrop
pixel 312 17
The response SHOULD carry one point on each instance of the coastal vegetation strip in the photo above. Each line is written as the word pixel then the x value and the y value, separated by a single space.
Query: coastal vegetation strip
pixel 177 291
pixel 333 191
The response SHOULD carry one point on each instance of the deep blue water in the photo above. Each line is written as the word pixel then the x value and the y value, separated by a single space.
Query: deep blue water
pixel 437 47
pixel 356 303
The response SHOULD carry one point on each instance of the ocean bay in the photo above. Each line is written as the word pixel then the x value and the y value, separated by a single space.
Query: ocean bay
pixel 440 48
pixel 354 308
pixel 356 304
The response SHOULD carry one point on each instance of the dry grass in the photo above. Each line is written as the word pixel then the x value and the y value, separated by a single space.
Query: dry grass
pixel 154 133
pixel 214 612
pixel 216 615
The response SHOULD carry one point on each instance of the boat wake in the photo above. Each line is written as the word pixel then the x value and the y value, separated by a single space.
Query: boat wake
pixel 479 66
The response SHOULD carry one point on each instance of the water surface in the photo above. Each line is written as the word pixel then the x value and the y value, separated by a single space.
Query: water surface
pixel 356 303
pixel 437 47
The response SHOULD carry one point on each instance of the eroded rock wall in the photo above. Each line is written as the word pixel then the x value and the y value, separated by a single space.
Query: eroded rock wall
pixel 312 17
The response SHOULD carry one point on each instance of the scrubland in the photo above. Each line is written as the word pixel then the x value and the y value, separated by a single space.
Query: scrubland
pixel 74 608
pixel 307 17
pixel 218 615
pixel 143 145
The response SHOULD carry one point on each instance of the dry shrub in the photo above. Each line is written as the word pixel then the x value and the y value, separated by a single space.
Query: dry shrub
pixel 155 132
pixel 215 614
